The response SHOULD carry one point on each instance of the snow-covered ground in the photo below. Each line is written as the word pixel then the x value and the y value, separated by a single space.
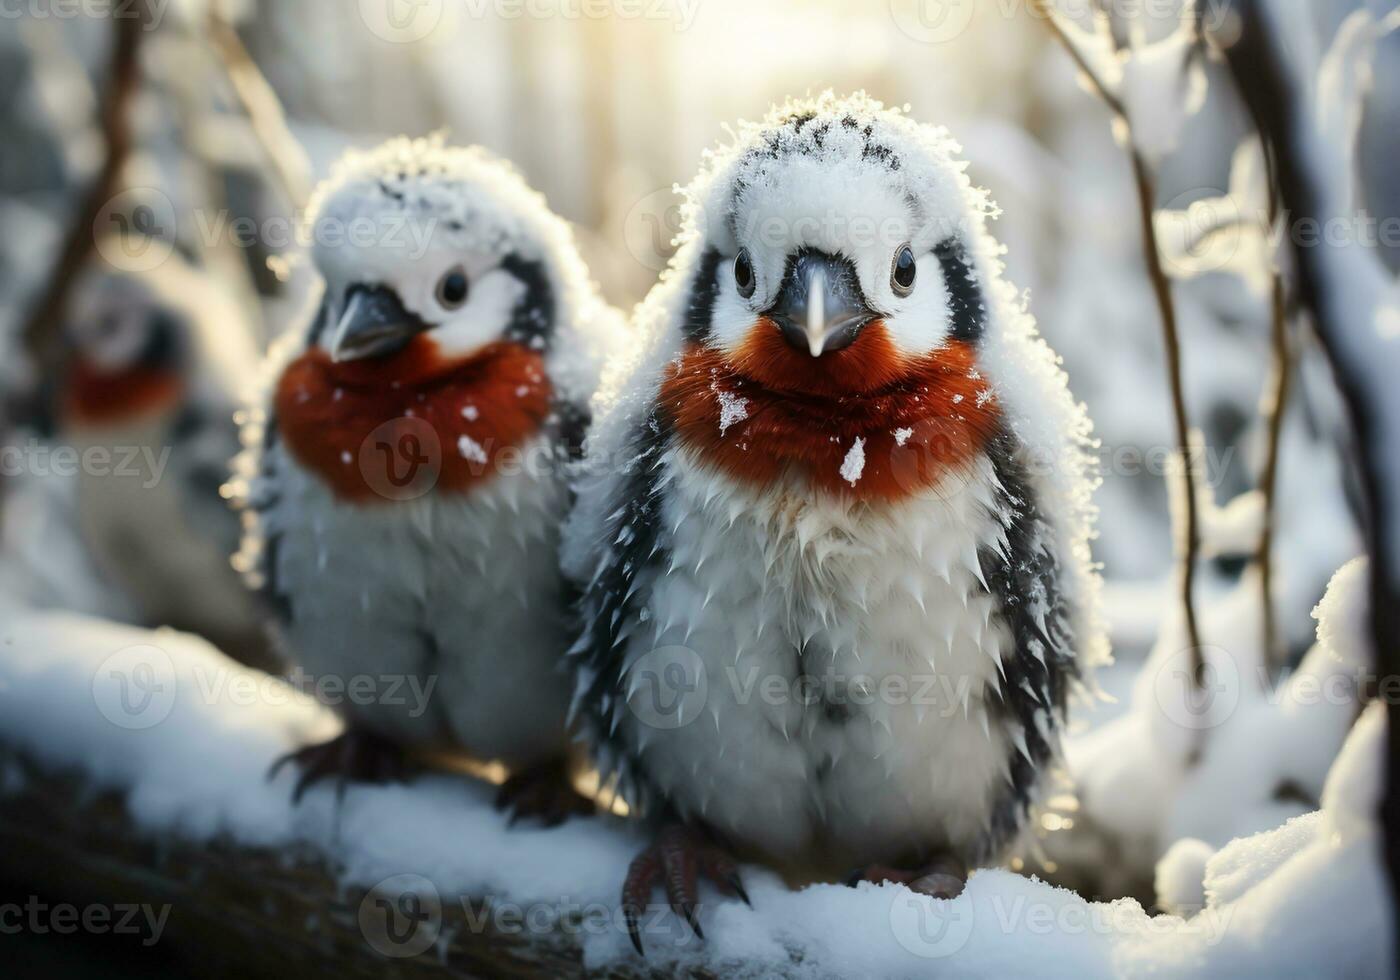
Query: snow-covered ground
pixel 189 735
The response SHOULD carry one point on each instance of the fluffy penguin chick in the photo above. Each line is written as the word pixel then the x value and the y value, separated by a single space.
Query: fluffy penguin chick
pixel 407 471
pixel 159 361
pixel 838 586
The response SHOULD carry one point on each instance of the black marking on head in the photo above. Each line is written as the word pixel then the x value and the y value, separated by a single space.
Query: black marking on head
pixel 704 290
pixel 966 306
pixel 532 320
pixel 320 322
pixel 610 607
pixel 1041 664
pixel 165 341
pixel 809 141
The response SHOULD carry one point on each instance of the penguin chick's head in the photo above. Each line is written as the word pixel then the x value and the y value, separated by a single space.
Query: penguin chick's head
pixel 834 295
pixel 835 243
pixel 128 348
pixel 429 246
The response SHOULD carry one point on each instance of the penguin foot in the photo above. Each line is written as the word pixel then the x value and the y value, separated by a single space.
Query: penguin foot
pixel 677 860
pixel 943 877
pixel 543 792
pixel 352 755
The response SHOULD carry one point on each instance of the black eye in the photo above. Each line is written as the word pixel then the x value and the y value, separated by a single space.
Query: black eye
pixel 743 273
pixel 902 274
pixel 452 289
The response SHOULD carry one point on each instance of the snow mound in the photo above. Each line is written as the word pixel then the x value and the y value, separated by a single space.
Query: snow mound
pixel 189 735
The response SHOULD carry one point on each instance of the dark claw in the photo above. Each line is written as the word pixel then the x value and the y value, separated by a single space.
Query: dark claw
pixel 545 793
pixel 353 755
pixel 943 877
pixel 688 913
pixel 630 915
pixel 677 860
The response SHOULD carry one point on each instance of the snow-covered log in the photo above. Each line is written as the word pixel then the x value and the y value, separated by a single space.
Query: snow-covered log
pixel 133 769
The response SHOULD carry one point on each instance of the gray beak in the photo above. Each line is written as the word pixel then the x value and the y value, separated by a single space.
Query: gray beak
pixel 820 307
pixel 374 324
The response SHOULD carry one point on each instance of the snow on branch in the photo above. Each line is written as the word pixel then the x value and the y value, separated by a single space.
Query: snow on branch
pixel 1130 83
pixel 133 763
pixel 40 329
pixel 1350 294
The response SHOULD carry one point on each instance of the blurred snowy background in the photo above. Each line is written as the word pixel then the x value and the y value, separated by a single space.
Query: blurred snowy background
pixel 604 107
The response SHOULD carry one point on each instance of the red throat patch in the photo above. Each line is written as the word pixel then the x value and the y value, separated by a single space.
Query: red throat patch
pixel 459 417
pixel 94 398
pixel 864 421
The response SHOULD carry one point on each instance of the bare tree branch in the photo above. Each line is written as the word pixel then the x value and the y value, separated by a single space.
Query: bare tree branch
pixel 40 330
pixel 264 110
pixel 1274 409
pixel 1260 69
pixel 1166 305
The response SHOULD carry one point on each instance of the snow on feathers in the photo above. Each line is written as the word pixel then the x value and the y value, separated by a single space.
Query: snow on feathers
pixel 854 139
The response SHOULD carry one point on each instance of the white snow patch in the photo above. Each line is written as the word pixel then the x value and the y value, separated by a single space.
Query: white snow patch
pixel 471 450
pixel 901 436
pixel 1180 879
pixel 471 413
pixel 732 409
pixel 1308 898
pixel 854 464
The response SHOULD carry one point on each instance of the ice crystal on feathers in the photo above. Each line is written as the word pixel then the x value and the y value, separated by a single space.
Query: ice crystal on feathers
pixel 854 148
pixel 854 464
pixel 732 409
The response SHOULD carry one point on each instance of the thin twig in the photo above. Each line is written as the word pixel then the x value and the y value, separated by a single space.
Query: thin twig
pixel 41 328
pixel 1162 291
pixel 1274 410
pixel 263 109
